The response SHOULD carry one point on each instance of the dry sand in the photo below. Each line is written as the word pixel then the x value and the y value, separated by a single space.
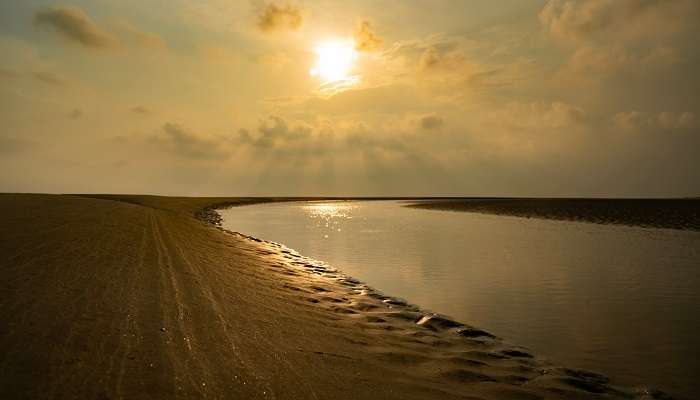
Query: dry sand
pixel 129 297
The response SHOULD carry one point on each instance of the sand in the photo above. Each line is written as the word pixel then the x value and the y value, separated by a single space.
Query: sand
pixel 130 297
pixel 652 213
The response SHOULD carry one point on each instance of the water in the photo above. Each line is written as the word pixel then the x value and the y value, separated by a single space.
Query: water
pixel 619 300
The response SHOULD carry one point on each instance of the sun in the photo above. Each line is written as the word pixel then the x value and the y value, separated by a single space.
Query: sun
pixel 334 62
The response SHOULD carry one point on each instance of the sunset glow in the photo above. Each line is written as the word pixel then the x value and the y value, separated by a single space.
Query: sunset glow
pixel 529 166
pixel 528 98
pixel 334 61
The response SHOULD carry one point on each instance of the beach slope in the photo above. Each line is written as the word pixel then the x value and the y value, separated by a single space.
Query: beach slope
pixel 130 297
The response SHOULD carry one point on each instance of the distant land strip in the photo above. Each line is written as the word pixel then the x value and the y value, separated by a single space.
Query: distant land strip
pixel 683 213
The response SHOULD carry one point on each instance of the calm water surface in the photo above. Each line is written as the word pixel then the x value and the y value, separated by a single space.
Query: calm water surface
pixel 619 300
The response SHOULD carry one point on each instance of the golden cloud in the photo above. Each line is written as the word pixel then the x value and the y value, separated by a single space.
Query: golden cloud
pixel 278 18
pixel 365 37
pixel 75 25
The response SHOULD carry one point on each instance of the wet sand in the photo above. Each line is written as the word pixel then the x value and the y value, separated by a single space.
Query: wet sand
pixel 128 297
pixel 652 213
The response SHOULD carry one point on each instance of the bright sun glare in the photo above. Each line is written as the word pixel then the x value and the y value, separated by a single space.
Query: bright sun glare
pixel 334 61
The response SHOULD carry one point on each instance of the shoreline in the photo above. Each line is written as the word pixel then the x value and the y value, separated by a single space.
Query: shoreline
pixel 423 317
pixel 228 304
pixel 680 214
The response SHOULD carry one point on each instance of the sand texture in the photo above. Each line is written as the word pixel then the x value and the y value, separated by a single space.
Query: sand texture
pixel 652 213
pixel 131 297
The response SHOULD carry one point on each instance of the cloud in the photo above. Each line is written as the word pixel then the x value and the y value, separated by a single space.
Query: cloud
pixel 365 37
pixel 276 131
pixel 298 148
pixel 451 67
pixel 387 99
pixel 278 18
pixel 141 38
pixel 415 47
pixel 454 61
pixel 637 121
pixel 40 74
pixel 141 110
pixel 591 64
pixel 76 113
pixel 676 120
pixel 537 117
pixel 431 122
pixel 75 25
pixel 561 115
pixel 640 54
pixel 50 78
pixel 629 121
pixel 184 143
pixel 605 59
pixel 457 73
pixel 618 19
pixel 429 58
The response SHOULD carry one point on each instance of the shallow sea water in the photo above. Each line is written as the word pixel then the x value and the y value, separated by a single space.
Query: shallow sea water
pixel 623 301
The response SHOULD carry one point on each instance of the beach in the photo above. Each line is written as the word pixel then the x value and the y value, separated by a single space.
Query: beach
pixel 123 297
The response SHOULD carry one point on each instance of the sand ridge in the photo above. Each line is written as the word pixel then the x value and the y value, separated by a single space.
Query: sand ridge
pixel 133 297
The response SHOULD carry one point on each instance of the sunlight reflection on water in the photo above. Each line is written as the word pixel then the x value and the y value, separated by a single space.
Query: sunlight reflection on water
pixel 578 293
pixel 328 216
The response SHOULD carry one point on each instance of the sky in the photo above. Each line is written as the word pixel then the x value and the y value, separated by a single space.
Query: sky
pixel 364 98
